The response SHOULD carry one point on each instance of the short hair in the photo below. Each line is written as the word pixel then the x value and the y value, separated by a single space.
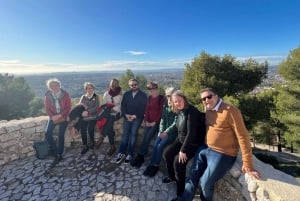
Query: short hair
pixel 133 80
pixel 169 91
pixel 86 84
pixel 209 90
pixel 152 85
pixel 53 80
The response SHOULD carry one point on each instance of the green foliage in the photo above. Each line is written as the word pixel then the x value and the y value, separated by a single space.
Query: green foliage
pixel 226 75
pixel 130 75
pixel 288 98
pixel 15 98
pixel 36 107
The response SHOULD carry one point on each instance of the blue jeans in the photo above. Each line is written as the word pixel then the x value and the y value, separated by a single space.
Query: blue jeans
pixel 130 130
pixel 210 166
pixel 61 136
pixel 158 149
pixel 149 132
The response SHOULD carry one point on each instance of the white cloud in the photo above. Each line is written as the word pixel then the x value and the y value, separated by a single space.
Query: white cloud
pixel 272 59
pixel 135 52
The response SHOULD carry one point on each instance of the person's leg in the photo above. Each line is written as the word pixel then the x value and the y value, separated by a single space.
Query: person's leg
pixel 83 131
pixel 169 156
pixel 198 167
pixel 49 136
pixel 180 170
pixel 125 137
pixel 91 130
pixel 108 129
pixel 61 137
pixel 148 134
pixel 133 134
pixel 218 165
pixel 154 151
pixel 158 150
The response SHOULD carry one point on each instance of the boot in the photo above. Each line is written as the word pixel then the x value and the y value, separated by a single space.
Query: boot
pixel 84 149
pixel 111 150
pixel 99 142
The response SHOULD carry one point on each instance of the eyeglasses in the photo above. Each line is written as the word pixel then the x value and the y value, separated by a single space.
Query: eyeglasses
pixel 133 85
pixel 169 96
pixel 207 97
pixel 151 89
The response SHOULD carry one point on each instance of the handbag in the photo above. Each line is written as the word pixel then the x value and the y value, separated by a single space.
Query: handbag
pixel 41 149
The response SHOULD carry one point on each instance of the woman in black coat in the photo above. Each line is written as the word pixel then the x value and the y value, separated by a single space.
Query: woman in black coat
pixel 191 128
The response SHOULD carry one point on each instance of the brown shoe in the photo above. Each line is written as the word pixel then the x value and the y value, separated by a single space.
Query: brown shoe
pixel 111 150
pixel 99 142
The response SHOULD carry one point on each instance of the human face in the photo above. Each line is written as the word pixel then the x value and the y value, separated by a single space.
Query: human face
pixel 169 98
pixel 54 87
pixel 209 99
pixel 152 91
pixel 89 90
pixel 133 85
pixel 178 102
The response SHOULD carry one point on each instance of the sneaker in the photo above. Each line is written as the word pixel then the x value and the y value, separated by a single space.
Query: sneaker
pixel 128 159
pixel 120 157
pixel 137 161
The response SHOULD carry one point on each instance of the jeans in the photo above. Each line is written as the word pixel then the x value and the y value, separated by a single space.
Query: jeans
pixel 87 126
pixel 210 166
pixel 149 132
pixel 61 136
pixel 130 130
pixel 158 149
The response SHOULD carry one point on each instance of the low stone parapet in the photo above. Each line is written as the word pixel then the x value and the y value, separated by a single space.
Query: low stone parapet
pixel 17 137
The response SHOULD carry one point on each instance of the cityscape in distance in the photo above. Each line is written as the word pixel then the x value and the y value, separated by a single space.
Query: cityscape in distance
pixel 73 81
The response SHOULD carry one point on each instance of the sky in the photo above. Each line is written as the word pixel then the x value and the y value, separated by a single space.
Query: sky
pixel 40 36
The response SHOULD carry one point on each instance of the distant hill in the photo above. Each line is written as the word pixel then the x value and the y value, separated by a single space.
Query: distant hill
pixel 73 81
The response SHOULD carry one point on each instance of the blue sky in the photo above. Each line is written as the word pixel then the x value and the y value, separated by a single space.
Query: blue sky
pixel 86 35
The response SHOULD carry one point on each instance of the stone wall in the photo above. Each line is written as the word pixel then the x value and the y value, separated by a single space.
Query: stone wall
pixel 17 137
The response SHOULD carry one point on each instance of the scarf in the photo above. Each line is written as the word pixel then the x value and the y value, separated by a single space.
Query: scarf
pixel 56 101
pixel 115 92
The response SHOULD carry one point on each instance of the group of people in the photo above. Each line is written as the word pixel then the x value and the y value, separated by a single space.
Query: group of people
pixel 182 132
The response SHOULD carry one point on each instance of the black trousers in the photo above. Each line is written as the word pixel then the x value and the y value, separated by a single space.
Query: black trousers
pixel 87 126
pixel 176 170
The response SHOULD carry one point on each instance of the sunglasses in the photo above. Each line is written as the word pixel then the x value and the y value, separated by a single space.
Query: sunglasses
pixel 151 89
pixel 207 97
pixel 133 85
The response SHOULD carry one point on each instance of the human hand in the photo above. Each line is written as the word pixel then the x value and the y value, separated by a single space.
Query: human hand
pixel 251 172
pixel 162 135
pixel 182 157
pixel 85 113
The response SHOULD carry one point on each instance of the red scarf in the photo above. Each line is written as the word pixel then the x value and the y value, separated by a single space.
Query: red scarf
pixel 115 92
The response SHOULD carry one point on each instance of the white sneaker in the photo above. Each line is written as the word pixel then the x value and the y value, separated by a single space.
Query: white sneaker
pixel 120 158
pixel 128 159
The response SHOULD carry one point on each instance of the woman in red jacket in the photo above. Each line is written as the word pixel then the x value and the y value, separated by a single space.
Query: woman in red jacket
pixel 57 104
